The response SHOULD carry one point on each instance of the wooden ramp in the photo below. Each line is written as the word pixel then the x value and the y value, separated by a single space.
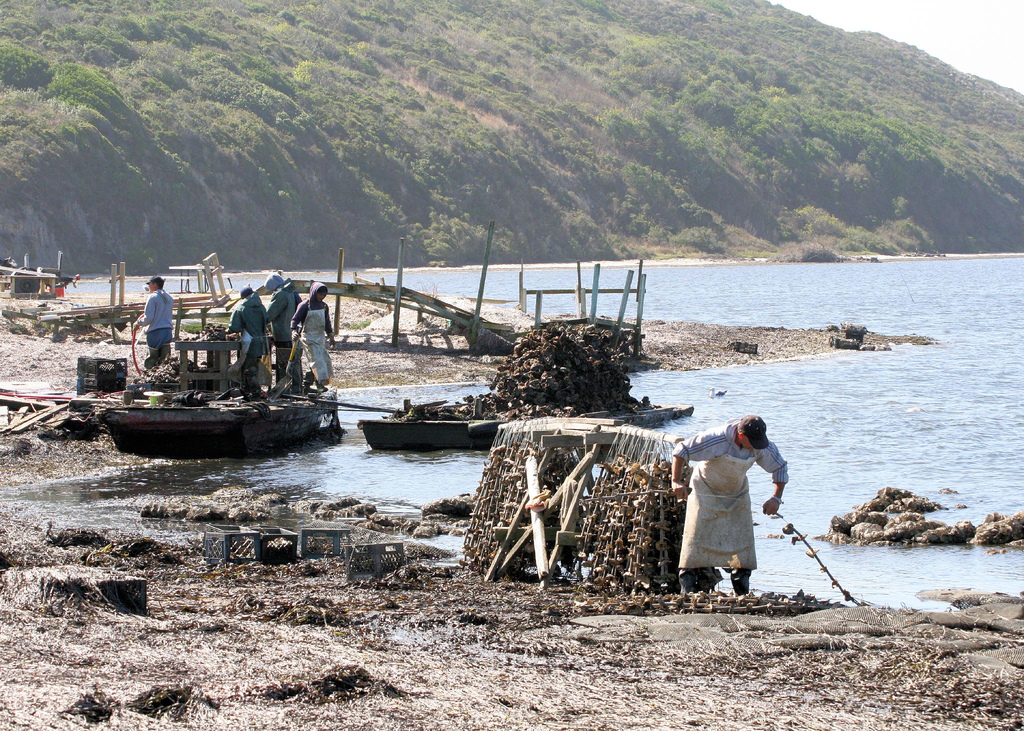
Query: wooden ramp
pixel 411 299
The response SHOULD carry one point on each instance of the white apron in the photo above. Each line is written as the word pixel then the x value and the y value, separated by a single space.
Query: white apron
pixel 314 345
pixel 719 531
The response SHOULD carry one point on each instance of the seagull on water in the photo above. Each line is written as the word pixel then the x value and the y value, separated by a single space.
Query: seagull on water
pixel 716 392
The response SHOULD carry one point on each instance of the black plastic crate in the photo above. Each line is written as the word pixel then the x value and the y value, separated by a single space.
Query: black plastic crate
pixel 106 375
pixel 243 544
pixel 323 540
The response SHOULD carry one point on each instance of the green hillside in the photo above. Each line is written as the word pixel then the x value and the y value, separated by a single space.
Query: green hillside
pixel 273 132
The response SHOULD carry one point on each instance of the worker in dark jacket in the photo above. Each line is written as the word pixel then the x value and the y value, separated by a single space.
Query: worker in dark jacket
pixel 249 317
pixel 283 302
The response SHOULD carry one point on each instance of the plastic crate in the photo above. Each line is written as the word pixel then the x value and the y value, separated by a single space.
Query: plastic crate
pixel 375 559
pixel 324 540
pixel 106 375
pixel 230 544
pixel 237 544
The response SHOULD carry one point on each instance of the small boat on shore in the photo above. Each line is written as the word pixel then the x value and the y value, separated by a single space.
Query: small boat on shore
pixel 426 435
pixel 218 429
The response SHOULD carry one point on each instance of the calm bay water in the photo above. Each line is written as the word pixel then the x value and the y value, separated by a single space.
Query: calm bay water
pixel 921 417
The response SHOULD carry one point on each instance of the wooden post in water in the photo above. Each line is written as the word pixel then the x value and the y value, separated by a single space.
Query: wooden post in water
pixel 581 303
pixel 522 288
pixel 120 279
pixel 337 297
pixel 536 316
pixel 639 278
pixel 593 293
pixel 641 290
pixel 475 327
pixel 113 298
pixel 398 291
pixel 622 305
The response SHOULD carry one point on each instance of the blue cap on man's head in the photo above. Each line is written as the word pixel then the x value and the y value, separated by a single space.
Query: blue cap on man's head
pixel 246 291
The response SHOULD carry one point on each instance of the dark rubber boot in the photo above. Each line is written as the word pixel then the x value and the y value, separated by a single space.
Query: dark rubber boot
pixel 688 580
pixel 741 581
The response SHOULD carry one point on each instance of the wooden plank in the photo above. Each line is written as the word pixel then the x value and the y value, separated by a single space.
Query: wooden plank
pixel 522 290
pixel 540 550
pixel 474 327
pixel 398 292
pixel 37 417
pixel 564 539
pixel 622 307
pixel 573 487
pixel 538 308
pixel 638 337
pixel 594 292
pixel 573 291
pixel 561 440
pixel 600 437
pixel 337 297
pixel 499 562
pixel 120 283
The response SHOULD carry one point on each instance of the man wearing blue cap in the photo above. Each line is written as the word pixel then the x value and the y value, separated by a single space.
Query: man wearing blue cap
pixel 719 529
pixel 157 317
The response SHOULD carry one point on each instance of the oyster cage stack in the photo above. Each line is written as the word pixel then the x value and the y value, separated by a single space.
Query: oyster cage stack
pixel 238 544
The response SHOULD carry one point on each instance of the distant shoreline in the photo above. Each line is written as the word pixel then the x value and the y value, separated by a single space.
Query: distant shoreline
pixel 605 264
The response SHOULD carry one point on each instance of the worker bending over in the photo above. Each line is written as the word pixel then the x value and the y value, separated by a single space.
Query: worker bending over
pixel 719 529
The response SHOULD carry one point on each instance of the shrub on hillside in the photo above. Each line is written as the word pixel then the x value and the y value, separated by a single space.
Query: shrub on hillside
pixel 82 86
pixel 23 69
pixel 812 252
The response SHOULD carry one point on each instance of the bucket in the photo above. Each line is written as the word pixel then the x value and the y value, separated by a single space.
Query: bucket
pixel 156 398
pixel 58 292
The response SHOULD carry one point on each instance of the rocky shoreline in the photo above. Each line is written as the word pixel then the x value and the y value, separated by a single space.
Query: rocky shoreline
pixel 426 647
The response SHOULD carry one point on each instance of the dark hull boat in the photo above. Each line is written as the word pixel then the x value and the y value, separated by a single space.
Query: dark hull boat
pixel 429 435
pixel 216 430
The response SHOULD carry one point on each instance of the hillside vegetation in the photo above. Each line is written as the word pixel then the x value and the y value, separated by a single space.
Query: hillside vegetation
pixel 155 131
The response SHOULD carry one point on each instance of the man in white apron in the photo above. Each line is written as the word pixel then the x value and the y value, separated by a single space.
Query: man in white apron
pixel 312 319
pixel 719 530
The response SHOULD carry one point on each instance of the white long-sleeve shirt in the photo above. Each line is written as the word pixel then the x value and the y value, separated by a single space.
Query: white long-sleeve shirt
pixel 721 440
pixel 159 311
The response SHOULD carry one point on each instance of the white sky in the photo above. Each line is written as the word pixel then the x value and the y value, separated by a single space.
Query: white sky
pixel 981 37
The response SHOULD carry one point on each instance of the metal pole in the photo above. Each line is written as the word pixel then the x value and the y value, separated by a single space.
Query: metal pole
pixel 593 293
pixel 483 279
pixel 398 291
pixel 337 297
pixel 622 305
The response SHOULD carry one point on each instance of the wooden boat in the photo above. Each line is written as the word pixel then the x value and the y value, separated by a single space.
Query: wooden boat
pixel 423 436
pixel 218 429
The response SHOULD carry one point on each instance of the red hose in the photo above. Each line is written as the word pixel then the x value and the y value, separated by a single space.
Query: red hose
pixel 135 360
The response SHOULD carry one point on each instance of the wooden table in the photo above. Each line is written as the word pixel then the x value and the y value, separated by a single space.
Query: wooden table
pixel 218 359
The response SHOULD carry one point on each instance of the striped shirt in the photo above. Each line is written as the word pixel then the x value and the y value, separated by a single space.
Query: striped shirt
pixel 721 440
